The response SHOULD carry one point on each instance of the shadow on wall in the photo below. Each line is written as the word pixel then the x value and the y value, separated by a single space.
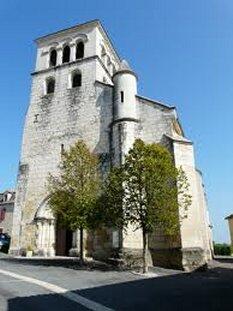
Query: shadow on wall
pixel 205 291
pixel 104 102
pixel 99 244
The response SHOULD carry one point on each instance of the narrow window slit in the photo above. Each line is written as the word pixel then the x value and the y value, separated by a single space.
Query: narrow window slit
pixel 62 149
pixel 122 96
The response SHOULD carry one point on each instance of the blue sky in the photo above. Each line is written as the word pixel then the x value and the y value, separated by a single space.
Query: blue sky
pixel 182 52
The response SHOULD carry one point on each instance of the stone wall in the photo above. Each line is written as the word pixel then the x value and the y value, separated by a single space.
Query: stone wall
pixel 204 218
pixel 155 120
pixel 6 223
pixel 191 230
pixel 230 223
pixel 54 120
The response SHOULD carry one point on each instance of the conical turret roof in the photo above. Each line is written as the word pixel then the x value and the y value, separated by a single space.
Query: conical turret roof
pixel 124 65
pixel 125 68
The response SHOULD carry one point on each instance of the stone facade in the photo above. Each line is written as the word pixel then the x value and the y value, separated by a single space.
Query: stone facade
pixel 7 200
pixel 230 223
pixel 107 113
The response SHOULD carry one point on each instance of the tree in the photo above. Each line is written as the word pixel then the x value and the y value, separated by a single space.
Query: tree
pixel 73 195
pixel 150 190
pixel 112 198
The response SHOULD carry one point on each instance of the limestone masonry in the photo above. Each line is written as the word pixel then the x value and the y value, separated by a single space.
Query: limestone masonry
pixel 81 89
pixel 6 211
pixel 230 223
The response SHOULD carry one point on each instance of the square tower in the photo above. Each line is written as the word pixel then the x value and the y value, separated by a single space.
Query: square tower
pixel 65 105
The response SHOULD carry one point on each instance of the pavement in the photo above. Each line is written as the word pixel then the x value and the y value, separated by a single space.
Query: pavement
pixel 54 285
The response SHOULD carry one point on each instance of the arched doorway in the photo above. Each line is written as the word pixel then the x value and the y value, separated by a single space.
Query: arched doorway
pixel 52 239
pixel 45 223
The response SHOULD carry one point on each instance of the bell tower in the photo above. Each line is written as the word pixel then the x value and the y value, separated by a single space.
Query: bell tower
pixel 66 105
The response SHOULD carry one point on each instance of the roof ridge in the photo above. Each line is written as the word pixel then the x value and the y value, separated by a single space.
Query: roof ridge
pixel 156 102
pixel 68 28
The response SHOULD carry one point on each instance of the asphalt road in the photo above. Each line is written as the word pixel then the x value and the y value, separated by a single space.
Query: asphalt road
pixel 112 290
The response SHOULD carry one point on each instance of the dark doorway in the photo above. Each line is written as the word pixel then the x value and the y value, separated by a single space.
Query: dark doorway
pixel 63 241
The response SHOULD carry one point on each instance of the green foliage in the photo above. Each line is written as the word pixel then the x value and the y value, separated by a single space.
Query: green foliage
pixel 222 249
pixel 112 198
pixel 148 192
pixel 149 180
pixel 148 184
pixel 73 195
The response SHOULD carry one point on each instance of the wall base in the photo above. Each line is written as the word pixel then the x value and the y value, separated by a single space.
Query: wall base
pixel 187 259
pixel 14 252
pixel 125 258
pixel 193 258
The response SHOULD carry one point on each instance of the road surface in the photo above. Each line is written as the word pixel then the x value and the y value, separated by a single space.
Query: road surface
pixel 38 286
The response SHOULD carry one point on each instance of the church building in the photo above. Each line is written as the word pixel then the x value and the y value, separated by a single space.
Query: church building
pixel 81 89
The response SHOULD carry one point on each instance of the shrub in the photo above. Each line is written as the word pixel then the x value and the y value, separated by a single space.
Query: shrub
pixel 222 249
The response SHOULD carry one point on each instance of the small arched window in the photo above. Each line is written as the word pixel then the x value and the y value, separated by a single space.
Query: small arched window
pixel 53 58
pixel 66 54
pixel 76 79
pixel 79 50
pixel 50 86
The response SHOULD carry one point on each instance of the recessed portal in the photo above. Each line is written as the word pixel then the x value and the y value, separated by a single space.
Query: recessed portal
pixel 64 239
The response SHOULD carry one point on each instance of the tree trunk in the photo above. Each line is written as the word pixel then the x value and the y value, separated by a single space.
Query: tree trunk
pixel 81 245
pixel 145 250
